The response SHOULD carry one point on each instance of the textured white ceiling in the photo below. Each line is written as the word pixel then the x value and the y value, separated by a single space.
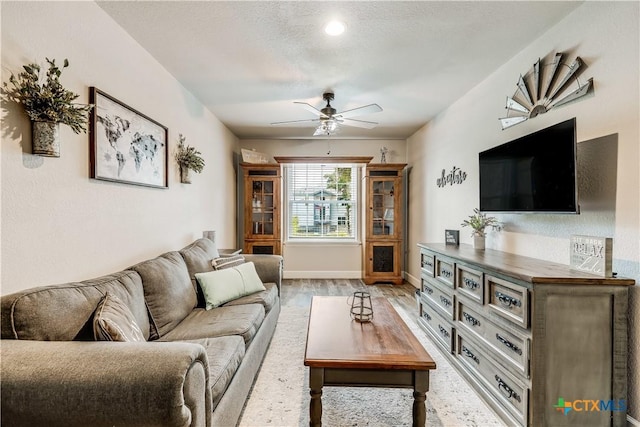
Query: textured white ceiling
pixel 249 61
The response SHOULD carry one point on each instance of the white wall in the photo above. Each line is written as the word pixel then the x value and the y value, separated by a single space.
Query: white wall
pixel 304 260
pixel 57 224
pixel 606 36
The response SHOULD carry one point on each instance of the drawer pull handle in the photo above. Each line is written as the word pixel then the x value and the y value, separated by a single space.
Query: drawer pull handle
pixel 444 332
pixel 445 273
pixel 509 344
pixel 445 301
pixel 428 290
pixel 506 390
pixel 507 300
pixel 470 283
pixel 427 316
pixel 427 264
pixel 470 355
pixel 469 318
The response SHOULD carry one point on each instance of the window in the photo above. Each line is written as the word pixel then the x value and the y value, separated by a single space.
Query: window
pixel 321 201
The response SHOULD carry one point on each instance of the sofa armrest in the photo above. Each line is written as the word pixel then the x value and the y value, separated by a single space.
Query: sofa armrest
pixel 268 267
pixel 73 383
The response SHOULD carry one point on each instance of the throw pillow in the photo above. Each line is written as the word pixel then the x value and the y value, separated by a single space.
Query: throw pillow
pixel 113 321
pixel 227 262
pixel 221 286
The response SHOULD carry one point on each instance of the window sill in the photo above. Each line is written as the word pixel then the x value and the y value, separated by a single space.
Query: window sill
pixel 322 242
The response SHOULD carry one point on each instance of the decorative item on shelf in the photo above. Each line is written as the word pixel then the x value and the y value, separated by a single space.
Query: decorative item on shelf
pixel 47 103
pixel 479 222
pixel 592 254
pixel 189 159
pixel 253 156
pixel 538 90
pixel 361 307
pixel 383 154
pixel 452 237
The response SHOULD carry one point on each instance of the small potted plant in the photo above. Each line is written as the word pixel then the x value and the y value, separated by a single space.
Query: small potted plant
pixel 47 103
pixel 479 222
pixel 189 159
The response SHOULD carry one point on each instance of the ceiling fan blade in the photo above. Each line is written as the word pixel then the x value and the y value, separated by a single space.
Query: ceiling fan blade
pixel 360 111
pixel 359 123
pixel 311 108
pixel 296 121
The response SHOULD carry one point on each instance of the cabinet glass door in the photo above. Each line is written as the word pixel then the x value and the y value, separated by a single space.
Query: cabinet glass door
pixel 383 207
pixel 262 208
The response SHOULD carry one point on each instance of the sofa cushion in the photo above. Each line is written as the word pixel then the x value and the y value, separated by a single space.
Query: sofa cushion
pixel 222 286
pixel 65 312
pixel 227 262
pixel 225 355
pixel 167 290
pixel 267 298
pixel 113 321
pixel 197 256
pixel 243 320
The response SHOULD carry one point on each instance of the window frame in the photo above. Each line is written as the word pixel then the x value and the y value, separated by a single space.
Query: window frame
pixel 357 164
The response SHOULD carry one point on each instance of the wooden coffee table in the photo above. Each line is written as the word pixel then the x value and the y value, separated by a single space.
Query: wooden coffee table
pixel 382 353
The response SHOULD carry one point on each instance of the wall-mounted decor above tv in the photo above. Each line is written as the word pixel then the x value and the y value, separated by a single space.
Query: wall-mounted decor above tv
pixel 534 173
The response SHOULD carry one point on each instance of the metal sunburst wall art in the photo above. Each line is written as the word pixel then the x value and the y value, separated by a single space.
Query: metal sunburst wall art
pixel 544 87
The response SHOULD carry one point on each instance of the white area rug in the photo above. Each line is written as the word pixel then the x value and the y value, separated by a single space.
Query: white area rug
pixel 280 396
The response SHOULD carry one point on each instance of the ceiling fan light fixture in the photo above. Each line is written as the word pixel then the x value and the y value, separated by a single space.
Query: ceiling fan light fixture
pixel 334 28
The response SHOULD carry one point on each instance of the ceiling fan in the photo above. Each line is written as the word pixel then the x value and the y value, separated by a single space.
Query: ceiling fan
pixel 328 119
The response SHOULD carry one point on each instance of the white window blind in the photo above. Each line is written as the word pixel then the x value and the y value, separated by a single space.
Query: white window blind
pixel 321 201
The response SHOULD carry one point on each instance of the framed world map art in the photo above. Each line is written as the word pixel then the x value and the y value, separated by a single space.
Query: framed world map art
pixel 126 146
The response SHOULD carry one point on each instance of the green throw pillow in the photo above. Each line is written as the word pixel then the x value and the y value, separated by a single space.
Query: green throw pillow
pixel 225 285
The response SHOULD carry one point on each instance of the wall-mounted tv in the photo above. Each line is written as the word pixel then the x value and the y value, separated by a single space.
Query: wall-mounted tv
pixel 534 173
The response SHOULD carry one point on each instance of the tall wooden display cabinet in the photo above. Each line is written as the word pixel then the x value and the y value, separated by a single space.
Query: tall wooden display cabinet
pixel 382 248
pixel 262 217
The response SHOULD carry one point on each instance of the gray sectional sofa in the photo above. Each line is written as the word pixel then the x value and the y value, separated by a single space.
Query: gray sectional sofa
pixel 195 368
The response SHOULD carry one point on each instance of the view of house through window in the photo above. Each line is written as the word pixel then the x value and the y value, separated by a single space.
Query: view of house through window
pixel 321 201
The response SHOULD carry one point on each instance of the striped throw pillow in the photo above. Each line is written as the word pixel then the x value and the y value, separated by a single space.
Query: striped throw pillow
pixel 227 262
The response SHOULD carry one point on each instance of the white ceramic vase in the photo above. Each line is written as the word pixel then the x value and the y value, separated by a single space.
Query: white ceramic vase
pixel 478 242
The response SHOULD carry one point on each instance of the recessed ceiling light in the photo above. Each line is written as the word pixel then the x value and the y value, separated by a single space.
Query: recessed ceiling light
pixel 334 28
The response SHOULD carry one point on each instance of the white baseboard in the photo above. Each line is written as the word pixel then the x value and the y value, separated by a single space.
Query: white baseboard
pixel 412 279
pixel 288 274
pixel 632 422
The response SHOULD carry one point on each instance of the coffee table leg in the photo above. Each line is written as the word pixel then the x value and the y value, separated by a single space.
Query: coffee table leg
pixel 420 389
pixel 316 380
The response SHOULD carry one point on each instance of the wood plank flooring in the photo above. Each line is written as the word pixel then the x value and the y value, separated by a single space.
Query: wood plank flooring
pixel 298 292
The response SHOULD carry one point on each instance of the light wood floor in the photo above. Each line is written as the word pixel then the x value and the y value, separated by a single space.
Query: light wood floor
pixel 298 292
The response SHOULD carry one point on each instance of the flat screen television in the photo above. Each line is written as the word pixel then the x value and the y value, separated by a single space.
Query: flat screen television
pixel 534 173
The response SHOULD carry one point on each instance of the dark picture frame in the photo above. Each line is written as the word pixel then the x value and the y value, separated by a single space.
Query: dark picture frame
pixel 125 145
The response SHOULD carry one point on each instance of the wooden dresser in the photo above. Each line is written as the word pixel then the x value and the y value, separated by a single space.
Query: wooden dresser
pixel 531 336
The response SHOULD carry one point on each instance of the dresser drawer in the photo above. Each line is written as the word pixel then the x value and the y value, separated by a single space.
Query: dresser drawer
pixel 427 263
pixel 514 349
pixel 440 296
pixel 467 317
pixel 439 328
pixel 508 300
pixel 445 271
pixel 503 386
pixel 470 283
